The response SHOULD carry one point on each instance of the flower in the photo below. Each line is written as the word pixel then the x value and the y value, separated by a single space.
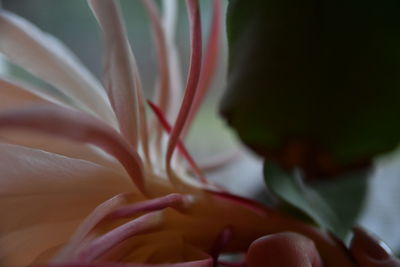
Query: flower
pixel 87 179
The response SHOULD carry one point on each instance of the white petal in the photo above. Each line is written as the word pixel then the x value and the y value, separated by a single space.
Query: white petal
pixel 14 94
pixel 121 73
pixel 40 190
pixel 44 56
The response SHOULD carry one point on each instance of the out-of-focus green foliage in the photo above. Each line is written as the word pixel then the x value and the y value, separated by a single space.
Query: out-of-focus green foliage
pixel 289 188
pixel 315 83
pixel 333 206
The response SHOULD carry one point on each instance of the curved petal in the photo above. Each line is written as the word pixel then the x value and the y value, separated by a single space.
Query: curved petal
pixel 44 56
pixel 122 75
pixel 169 21
pixel 44 196
pixel 14 94
pixel 59 146
pixel 192 81
pixel 79 127
pixel 210 61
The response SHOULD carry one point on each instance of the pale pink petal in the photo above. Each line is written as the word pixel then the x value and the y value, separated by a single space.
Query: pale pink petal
pixel 219 161
pixel 14 89
pixel 79 127
pixel 44 56
pixel 121 74
pixel 44 196
pixel 14 94
pixel 22 247
pixel 59 146
pixel 193 78
pixel 210 61
pixel 170 10
pixel 163 92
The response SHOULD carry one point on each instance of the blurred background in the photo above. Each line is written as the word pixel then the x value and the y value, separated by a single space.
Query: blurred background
pixel 73 23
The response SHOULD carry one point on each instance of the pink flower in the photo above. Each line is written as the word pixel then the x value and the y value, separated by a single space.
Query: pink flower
pixel 88 180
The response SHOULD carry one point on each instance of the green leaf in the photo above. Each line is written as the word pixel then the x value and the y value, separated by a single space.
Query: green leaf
pixel 334 206
pixel 345 195
pixel 319 78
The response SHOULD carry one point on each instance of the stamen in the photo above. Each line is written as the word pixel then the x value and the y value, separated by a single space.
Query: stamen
pixel 193 78
pixel 104 243
pixel 220 243
pixel 210 62
pixel 172 200
pixel 181 147
pixel 87 225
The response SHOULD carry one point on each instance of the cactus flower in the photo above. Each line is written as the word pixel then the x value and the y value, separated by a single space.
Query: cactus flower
pixel 89 179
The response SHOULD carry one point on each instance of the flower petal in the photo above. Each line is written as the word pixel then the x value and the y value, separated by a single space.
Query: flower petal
pixel 122 74
pixel 80 127
pixel 210 61
pixel 44 56
pixel 163 89
pixel 13 94
pixel 170 10
pixel 193 78
pixel 43 197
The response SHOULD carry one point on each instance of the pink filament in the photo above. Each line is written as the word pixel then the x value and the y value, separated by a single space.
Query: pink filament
pixel 210 61
pixel 193 78
pixel 182 149
pixel 220 243
pixel 247 203
pixel 171 200
pixel 88 224
pixel 104 243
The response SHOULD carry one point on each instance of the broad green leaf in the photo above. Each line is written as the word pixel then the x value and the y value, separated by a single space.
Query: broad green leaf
pixel 314 84
pixel 345 195
pixel 333 206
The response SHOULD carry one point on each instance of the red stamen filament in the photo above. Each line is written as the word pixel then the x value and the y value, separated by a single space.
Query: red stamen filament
pixel 181 148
